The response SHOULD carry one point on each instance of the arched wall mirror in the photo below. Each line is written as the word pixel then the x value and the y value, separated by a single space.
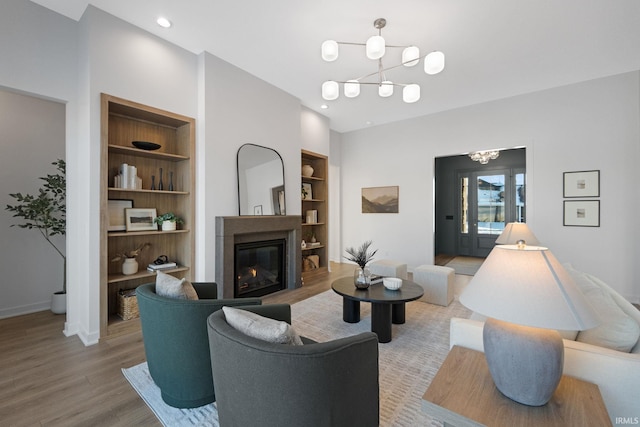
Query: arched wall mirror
pixel 260 181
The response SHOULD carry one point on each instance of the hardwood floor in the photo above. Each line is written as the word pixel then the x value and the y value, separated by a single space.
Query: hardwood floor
pixel 47 379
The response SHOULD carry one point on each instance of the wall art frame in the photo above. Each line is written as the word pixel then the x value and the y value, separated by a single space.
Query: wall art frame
pixel 380 199
pixel 116 214
pixel 140 219
pixel 581 213
pixel 580 184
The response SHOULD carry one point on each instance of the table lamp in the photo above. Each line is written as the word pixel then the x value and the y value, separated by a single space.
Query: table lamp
pixel 527 296
pixel 516 231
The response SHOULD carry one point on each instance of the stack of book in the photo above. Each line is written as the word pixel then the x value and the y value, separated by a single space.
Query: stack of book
pixel 165 266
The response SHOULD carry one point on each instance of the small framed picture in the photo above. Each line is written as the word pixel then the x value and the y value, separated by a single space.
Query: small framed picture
pixel 140 219
pixel 582 213
pixel 307 191
pixel 581 184
pixel 257 210
pixel 115 212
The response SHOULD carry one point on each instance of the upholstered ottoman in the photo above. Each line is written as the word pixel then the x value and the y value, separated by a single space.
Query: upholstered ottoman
pixel 438 283
pixel 389 268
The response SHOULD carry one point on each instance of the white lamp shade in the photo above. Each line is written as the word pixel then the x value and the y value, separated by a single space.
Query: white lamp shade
pixel 434 62
pixel 351 88
pixel 411 93
pixel 515 231
pixel 330 90
pixel 410 56
pixel 330 50
pixel 375 47
pixel 385 89
pixel 528 287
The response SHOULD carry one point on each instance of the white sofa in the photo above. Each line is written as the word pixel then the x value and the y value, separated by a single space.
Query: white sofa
pixel 616 373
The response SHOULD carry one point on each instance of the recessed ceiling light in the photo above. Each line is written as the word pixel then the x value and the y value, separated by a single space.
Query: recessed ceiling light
pixel 324 106
pixel 163 22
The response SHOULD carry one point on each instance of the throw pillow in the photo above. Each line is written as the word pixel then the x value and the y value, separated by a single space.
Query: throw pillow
pixel 260 327
pixel 618 330
pixel 172 287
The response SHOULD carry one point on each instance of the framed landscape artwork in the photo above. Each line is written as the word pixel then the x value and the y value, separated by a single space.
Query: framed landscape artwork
pixel 140 219
pixel 581 184
pixel 380 199
pixel 582 213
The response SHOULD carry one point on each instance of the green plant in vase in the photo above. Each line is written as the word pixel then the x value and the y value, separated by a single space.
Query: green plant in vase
pixel 361 256
pixel 168 221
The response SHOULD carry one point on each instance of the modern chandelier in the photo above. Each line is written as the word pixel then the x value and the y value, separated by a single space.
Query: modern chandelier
pixel 484 156
pixel 375 49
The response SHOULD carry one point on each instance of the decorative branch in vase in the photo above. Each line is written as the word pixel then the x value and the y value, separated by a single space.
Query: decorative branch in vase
pixel 130 265
pixel 361 256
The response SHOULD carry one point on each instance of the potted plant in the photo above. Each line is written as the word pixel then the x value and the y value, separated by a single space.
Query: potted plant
pixel 46 212
pixel 130 265
pixel 361 256
pixel 168 221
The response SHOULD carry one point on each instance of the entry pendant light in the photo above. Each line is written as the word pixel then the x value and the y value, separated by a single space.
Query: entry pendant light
pixel 376 49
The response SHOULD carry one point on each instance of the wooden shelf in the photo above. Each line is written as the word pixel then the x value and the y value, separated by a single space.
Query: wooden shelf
pixel 142 273
pixel 320 229
pixel 122 122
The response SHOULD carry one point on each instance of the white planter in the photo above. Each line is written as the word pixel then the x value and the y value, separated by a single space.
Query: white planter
pixel 59 303
pixel 168 225
pixel 129 266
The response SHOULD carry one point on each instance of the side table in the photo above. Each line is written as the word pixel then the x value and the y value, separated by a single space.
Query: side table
pixel 463 394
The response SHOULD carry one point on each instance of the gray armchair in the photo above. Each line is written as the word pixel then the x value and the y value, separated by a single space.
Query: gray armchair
pixel 318 384
pixel 174 332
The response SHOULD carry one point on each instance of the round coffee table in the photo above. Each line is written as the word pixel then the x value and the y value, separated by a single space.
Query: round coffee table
pixel 387 307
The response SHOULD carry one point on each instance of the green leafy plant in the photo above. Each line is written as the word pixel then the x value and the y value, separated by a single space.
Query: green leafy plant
pixel 361 255
pixel 46 211
pixel 169 216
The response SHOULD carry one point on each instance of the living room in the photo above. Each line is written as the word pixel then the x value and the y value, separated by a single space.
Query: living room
pixel 588 123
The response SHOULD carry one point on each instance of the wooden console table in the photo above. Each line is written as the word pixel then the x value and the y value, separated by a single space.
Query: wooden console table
pixel 463 394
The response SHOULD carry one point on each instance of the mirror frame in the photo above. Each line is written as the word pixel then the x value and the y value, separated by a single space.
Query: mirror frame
pixel 274 195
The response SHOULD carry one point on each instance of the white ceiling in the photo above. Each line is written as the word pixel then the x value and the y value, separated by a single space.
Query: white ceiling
pixel 494 48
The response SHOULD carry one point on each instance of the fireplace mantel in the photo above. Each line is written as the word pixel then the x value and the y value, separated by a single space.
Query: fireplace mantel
pixel 243 229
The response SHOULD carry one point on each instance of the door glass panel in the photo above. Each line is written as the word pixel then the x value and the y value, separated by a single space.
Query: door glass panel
pixel 520 198
pixel 464 205
pixel 491 204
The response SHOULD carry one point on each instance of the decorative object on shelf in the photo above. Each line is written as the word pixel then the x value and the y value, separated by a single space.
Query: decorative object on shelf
pixel 361 256
pixel 127 178
pixel 257 210
pixel 130 264
pixel 303 245
pixel 527 295
pixel 312 216
pixel 581 213
pixel 168 221
pixel 128 304
pixel 47 213
pixel 171 181
pixel 140 219
pixel 581 184
pixel 313 238
pixel 145 145
pixel 375 50
pixel 392 283
pixel 380 199
pixel 153 182
pixel 484 156
pixel 310 262
pixel 116 212
pixel 307 191
pixel 307 171
pixel 160 183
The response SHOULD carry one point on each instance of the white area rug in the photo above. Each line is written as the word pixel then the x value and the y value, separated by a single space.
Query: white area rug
pixel 465 265
pixel 407 364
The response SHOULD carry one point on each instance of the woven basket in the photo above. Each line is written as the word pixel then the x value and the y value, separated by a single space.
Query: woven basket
pixel 128 304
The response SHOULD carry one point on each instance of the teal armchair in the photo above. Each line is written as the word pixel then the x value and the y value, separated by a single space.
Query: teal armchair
pixel 176 344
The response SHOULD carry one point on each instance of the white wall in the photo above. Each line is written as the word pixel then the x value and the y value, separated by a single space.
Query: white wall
pixel 33 134
pixel 585 126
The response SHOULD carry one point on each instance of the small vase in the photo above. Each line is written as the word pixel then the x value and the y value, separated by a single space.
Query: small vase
pixel 153 182
pixel 168 225
pixel 129 266
pixel 307 170
pixel 170 181
pixel 160 183
pixel 362 278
